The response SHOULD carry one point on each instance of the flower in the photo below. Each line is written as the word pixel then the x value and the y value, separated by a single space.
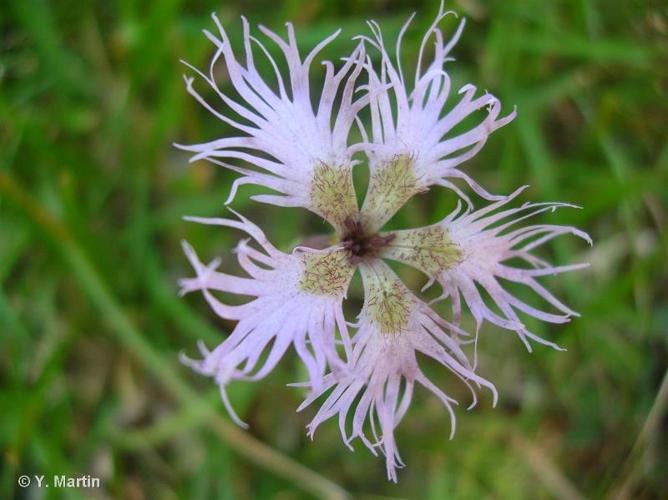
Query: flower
pixel 303 152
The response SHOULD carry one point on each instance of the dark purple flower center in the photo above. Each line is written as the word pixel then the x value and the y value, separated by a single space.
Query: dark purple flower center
pixel 361 245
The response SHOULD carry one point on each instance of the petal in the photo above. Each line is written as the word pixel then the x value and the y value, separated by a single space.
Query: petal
pixel 297 300
pixel 413 140
pixel 474 250
pixel 300 150
pixel 429 249
pixel 394 325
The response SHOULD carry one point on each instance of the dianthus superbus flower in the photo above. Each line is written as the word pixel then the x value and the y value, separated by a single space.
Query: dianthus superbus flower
pixel 299 144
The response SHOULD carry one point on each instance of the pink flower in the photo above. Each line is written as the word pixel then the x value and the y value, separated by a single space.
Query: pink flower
pixel 302 151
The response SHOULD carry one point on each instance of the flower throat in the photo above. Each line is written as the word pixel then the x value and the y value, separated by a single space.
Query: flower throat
pixel 361 245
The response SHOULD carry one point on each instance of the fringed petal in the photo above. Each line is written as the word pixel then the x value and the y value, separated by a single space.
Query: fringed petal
pixel 285 136
pixel 413 125
pixel 473 251
pixel 393 326
pixel 297 301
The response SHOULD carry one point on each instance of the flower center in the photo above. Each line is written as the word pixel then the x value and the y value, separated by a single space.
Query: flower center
pixel 361 245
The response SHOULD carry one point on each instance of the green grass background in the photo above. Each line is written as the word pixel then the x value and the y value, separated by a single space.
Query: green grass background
pixel 91 199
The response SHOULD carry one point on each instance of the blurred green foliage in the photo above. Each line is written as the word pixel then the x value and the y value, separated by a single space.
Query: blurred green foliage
pixel 91 199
